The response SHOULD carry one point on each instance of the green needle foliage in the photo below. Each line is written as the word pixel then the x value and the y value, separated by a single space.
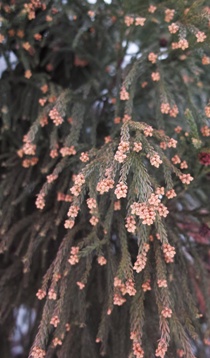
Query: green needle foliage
pixel 105 178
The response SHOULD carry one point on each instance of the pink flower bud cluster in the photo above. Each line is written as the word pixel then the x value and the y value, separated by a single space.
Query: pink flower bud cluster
pixel 205 130
pixel 55 116
pixel 170 194
pixel 73 211
pixel 26 163
pixel 74 258
pixel 137 350
pixel 154 198
pixel 166 312
pixel 180 353
pixel 41 294
pixel 146 286
pixel 182 44
pixel 129 20
pixel 118 299
pixel 138 21
pixel 134 335
pixel 56 342
pixel 121 190
pixel 81 285
pixel 94 220
pixel 120 155
pixel 144 211
pixel 148 131
pixel 201 36
pixel 128 288
pixel 63 197
pixel 155 160
pixel 29 148
pixel 54 153
pixel 130 224
pixel 152 57
pixel 168 252
pixel 51 178
pixel 55 321
pixel 155 76
pixel 121 289
pixel 65 151
pixel 172 143
pixel 84 157
pixel 169 14
pixel 162 283
pixel 174 111
pixel 184 165
pixel 137 147
pixel 126 118
pixel 42 101
pixel 152 9
pixel 124 95
pixel 173 28
pixel 101 260
pixel 69 224
pixel 52 294
pixel 147 211
pixel 176 159
pixel 105 185
pixel 163 211
pixel 40 202
pixel 178 129
pixel 141 259
pixel 38 353
pixel 205 60
pixel 185 178
pixel 159 191
pixel 165 108
pixel 56 277
pixel 78 182
pixel 92 205
pixel 161 349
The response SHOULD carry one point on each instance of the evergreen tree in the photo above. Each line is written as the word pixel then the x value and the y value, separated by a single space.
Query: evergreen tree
pixel 105 154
